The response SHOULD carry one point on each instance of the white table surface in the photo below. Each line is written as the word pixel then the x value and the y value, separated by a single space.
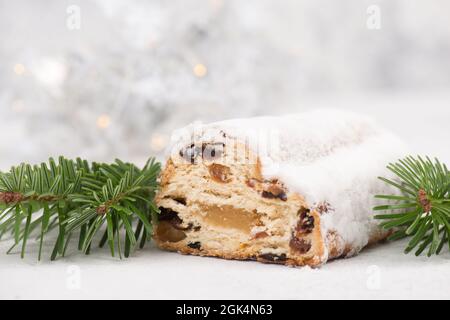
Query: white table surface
pixel 379 272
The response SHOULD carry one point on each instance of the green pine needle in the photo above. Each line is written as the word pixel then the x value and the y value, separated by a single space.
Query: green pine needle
pixel 422 212
pixel 77 198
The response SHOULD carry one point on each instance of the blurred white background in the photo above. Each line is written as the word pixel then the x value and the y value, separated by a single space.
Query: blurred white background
pixel 108 78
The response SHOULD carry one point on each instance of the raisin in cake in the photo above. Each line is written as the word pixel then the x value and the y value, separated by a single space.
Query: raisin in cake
pixel 294 190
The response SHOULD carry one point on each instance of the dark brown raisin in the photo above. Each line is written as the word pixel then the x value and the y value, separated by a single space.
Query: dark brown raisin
pixel 172 217
pixel 269 195
pixel 212 151
pixel 168 215
pixel 300 245
pixel 303 210
pixel 180 200
pixel 275 258
pixel 195 245
pixel 275 190
pixel 305 223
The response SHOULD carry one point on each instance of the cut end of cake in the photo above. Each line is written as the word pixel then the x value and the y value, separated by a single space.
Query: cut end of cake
pixel 215 202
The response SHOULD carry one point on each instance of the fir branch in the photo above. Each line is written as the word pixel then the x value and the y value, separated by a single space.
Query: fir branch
pixel 423 211
pixel 79 198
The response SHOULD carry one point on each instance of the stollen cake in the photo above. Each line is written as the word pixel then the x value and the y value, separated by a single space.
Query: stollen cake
pixel 295 190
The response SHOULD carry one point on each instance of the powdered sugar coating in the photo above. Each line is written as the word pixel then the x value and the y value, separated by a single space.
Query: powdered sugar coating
pixel 325 155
